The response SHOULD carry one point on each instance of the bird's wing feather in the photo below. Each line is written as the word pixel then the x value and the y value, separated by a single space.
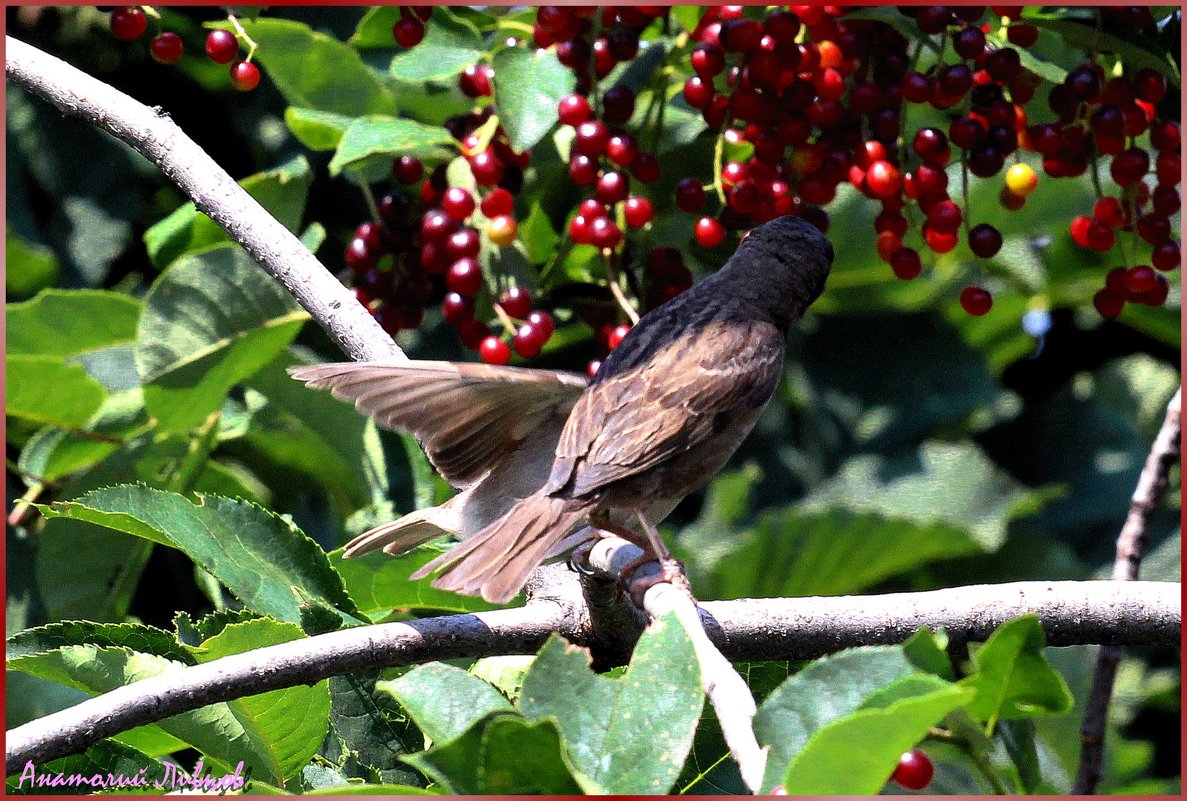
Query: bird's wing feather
pixel 634 419
pixel 468 417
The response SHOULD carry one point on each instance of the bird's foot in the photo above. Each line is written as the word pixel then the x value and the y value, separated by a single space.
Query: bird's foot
pixel 671 571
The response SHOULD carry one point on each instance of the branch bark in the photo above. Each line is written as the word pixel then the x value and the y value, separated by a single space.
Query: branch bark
pixel 1072 613
pixel 154 135
pixel 1131 545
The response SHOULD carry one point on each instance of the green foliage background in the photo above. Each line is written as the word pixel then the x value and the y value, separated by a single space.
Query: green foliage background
pixel 909 447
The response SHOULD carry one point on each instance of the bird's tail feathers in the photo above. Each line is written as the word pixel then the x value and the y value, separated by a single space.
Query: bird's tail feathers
pixel 399 536
pixel 495 562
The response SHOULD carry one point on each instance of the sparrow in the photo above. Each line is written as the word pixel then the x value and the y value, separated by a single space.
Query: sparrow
pixel 540 456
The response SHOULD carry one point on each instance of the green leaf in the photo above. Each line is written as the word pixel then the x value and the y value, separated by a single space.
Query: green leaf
pixel 67 322
pixel 450 45
pixel 283 191
pixel 317 130
pixel 951 485
pixel 1133 52
pixel 630 735
pixel 834 552
pixel 519 758
pixel 387 137
pixel 28 266
pixel 134 636
pixel 373 789
pixel 856 754
pixel 374 30
pixel 268 564
pixel 528 85
pixel 43 390
pixel 826 690
pixel 209 321
pixel 537 234
pixel 926 651
pixel 290 724
pixel 444 701
pixel 380 584
pixel 372 726
pixel 333 443
pixel 1013 678
pixel 313 70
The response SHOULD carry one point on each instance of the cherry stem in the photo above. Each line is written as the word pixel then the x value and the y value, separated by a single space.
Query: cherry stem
pixel 718 156
pixel 612 274
pixel 242 34
pixel 506 319
pixel 24 503
pixel 593 62
pixel 372 206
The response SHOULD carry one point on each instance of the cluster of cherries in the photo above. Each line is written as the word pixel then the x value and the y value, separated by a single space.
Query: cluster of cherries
pixel 129 23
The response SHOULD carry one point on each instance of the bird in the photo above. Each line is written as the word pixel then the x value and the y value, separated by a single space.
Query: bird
pixel 542 457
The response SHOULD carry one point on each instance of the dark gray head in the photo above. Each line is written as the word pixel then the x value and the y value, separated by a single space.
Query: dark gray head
pixel 781 267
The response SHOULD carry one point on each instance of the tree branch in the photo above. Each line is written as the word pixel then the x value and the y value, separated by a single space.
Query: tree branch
pixel 1072 613
pixel 156 137
pixel 1131 544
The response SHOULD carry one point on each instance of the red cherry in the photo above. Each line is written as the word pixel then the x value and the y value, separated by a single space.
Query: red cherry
pixel 603 233
pixel 583 169
pixel 617 336
pixel 516 302
pixel 529 340
pixel 622 149
pixel 985 241
pixel 646 168
pixel 408 169
pixel 457 308
pixel 915 770
pixel 458 203
pixel 542 321
pixel 573 110
pixel 709 232
pixel 475 80
pixel 498 202
pixel 494 351
pixel 1108 303
pixel 128 23
pixel 464 277
pixel 884 179
pixel 1166 256
pixel 976 301
pixel 472 332
pixel 637 212
pixel 690 195
pixel 1140 279
pixel 245 76
pixel 167 48
pixel 613 186
pixel 591 138
pixel 408 32
pixel 905 263
pixel 462 244
pixel 486 167
pixel 221 46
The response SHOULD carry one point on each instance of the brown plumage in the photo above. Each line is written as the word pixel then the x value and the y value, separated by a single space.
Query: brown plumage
pixel 666 410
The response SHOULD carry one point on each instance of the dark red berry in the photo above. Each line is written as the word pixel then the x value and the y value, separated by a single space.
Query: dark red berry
pixel 709 232
pixel 494 351
pixel 985 241
pixel 245 76
pixel 915 769
pixel 529 340
pixel 221 46
pixel 167 48
pixel 690 195
pixel 128 23
pixel 977 302
pixel 637 211
pixel 408 169
pixel 905 263
pixel 458 203
pixel 517 302
pixel 464 277
pixel 408 32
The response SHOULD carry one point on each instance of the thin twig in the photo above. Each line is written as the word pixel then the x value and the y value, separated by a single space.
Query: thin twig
pixel 1131 544
pixel 154 135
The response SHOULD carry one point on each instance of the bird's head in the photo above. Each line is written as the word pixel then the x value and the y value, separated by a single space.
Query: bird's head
pixel 788 259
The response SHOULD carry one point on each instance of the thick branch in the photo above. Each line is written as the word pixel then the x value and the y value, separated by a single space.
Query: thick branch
pixel 1072 613
pixel 155 136
pixel 1131 544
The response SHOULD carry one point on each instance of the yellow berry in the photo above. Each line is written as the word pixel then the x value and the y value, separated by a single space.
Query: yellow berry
pixel 502 230
pixel 1021 180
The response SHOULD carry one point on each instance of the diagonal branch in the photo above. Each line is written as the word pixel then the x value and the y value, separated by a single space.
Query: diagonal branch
pixel 155 136
pixel 1131 544
pixel 1072 613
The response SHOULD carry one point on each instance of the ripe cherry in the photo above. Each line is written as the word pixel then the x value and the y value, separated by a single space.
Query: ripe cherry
pixel 458 203
pixel 517 302
pixel 502 230
pixel 709 232
pixel 221 46
pixel 245 76
pixel 167 48
pixel 690 195
pixel 408 32
pixel 408 169
pixel 494 351
pixel 985 241
pixel 128 23
pixel 977 302
pixel 915 769
pixel 637 212
pixel 464 277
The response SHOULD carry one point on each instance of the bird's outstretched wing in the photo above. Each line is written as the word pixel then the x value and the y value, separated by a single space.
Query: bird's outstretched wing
pixel 468 417
pixel 689 388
